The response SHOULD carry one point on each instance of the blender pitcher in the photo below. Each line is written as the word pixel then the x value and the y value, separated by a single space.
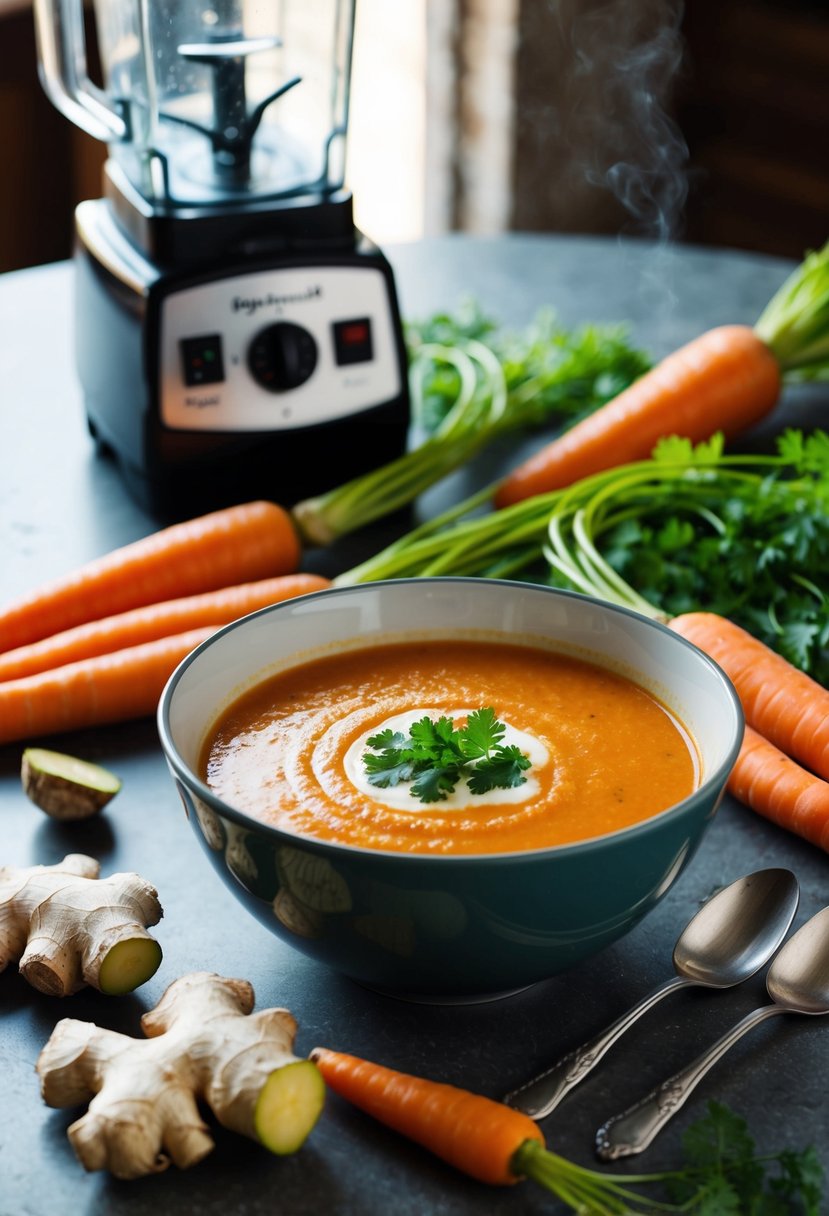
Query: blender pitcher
pixel 205 99
pixel 221 271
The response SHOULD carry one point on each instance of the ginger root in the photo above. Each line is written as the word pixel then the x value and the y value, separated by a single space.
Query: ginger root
pixel 64 786
pixel 67 927
pixel 202 1042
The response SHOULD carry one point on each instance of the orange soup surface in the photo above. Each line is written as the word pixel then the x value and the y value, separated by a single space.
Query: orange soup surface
pixel 606 754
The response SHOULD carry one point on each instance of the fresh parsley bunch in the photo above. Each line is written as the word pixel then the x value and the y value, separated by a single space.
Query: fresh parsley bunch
pixel 745 537
pixel 436 755
pixel 552 374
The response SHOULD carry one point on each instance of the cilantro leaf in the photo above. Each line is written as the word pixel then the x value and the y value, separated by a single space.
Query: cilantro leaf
pixel 483 732
pixel 800 1174
pixel 391 765
pixel 796 640
pixel 435 737
pixel 719 1136
pixel 723 1174
pixel 675 535
pixel 388 739
pixel 383 771
pixel 433 784
pixel 676 449
pixel 502 770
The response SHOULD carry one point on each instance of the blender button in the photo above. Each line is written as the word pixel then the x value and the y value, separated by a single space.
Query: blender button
pixel 202 361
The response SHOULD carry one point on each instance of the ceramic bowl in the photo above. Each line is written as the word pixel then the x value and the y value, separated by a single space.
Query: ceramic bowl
pixel 448 927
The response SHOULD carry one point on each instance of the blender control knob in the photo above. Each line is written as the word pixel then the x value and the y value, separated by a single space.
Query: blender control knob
pixel 282 356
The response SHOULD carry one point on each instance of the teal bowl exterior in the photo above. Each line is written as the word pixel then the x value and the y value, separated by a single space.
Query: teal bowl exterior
pixel 449 927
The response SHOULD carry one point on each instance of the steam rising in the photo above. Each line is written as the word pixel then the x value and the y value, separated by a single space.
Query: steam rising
pixel 624 61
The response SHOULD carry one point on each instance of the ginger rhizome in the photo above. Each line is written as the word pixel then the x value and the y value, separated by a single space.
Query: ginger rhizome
pixel 66 787
pixel 203 1043
pixel 66 927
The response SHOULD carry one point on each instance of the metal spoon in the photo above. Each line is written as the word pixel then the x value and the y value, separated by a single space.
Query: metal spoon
pixel 797 982
pixel 733 935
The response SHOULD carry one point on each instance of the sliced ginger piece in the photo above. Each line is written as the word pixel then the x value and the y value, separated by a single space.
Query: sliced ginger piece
pixel 128 965
pixel 66 927
pixel 203 1044
pixel 285 1101
pixel 66 787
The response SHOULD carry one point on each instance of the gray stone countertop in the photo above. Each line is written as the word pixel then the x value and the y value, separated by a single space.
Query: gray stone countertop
pixel 60 505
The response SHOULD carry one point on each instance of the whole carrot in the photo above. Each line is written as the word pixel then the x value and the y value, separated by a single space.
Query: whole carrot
pixel 485 1139
pixel 108 688
pixel 725 380
pixel 775 786
pixel 153 621
pixel 238 544
pixel 781 703
pixel 473 1133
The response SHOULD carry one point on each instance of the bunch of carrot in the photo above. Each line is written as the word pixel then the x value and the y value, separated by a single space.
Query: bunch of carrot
pixel 99 644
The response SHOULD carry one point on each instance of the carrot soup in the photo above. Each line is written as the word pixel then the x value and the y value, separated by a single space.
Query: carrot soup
pixel 527 748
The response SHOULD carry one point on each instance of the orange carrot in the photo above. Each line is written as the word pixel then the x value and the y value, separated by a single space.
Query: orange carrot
pixel 109 688
pixel 780 702
pixel 153 621
pixel 773 785
pixel 487 1140
pixel 253 541
pixel 473 1133
pixel 725 380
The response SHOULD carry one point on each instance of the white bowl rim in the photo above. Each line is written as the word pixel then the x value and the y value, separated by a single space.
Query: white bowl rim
pixel 334 848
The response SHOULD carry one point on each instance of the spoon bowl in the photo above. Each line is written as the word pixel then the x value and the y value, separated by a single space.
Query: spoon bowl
pixel 798 979
pixel 731 937
pixel 735 933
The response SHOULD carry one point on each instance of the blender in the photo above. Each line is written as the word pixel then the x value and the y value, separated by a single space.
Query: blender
pixel 236 336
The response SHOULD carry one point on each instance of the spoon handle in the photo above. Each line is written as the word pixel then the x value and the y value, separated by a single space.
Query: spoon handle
pixel 629 1133
pixel 542 1094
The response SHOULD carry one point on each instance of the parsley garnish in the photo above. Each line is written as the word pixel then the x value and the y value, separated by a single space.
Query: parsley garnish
pixel 436 755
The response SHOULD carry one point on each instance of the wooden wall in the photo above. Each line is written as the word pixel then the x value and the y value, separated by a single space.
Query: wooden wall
pixel 750 99
pixel 755 112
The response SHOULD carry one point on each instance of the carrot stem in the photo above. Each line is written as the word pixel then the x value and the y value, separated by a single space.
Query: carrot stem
pixel 560 371
pixel 795 322
pixel 586 1190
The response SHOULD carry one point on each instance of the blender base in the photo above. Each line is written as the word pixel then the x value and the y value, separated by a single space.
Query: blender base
pixel 123 302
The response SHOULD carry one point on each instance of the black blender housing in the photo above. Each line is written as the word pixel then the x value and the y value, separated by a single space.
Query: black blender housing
pixel 133 253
